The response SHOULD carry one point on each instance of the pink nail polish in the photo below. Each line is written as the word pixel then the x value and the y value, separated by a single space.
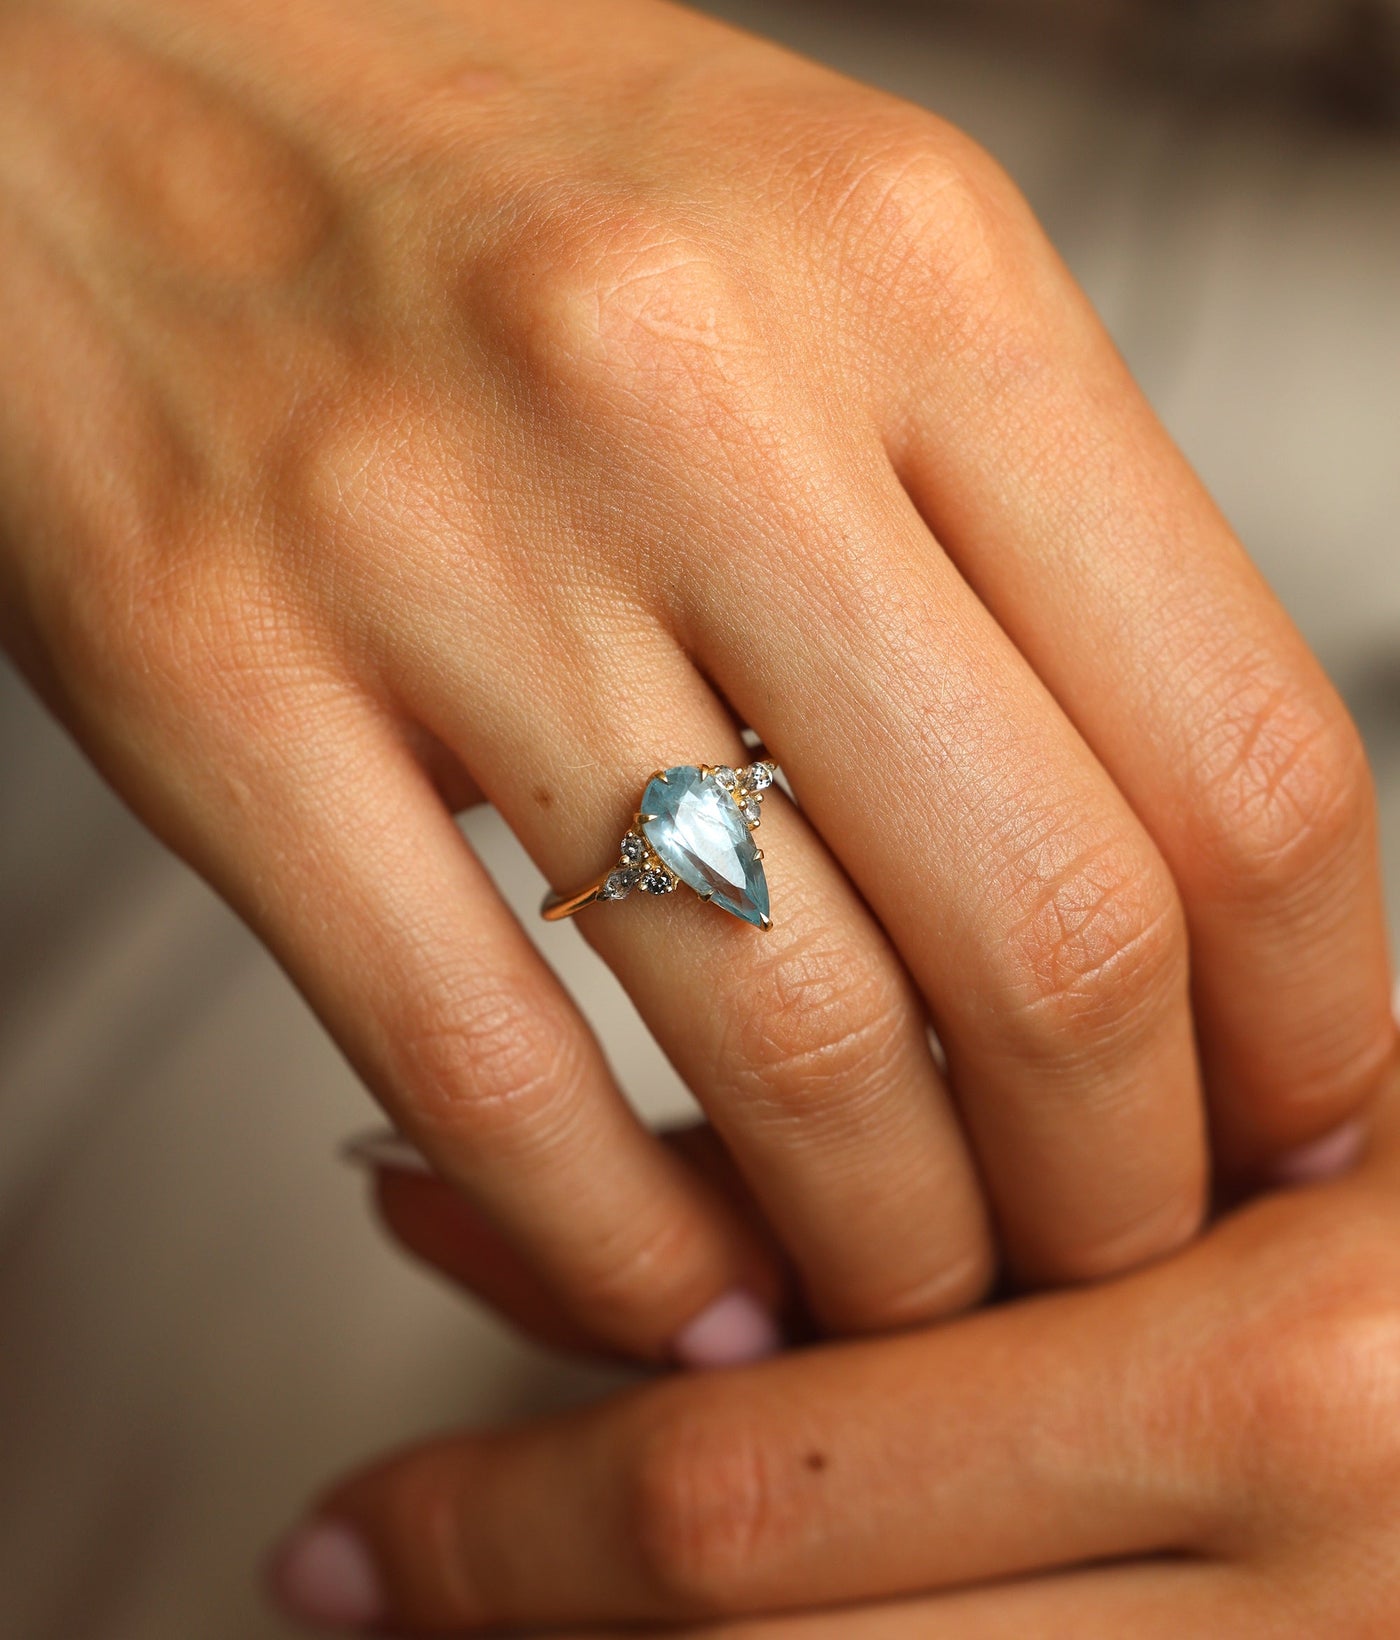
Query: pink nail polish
pixel 323 1575
pixel 733 1330
pixel 1335 1153
pixel 387 1150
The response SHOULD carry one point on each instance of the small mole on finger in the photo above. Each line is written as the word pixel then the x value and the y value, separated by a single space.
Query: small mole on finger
pixel 543 796
pixel 816 1462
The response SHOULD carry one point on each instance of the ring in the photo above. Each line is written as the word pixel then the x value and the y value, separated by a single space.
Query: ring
pixel 694 826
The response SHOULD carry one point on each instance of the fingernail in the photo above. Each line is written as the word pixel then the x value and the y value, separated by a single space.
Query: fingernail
pixel 733 1330
pixel 1336 1152
pixel 387 1150
pixel 322 1575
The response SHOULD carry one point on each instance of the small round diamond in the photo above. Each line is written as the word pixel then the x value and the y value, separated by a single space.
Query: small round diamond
pixel 758 777
pixel 657 882
pixel 751 811
pixel 621 882
pixel 634 848
pixel 726 777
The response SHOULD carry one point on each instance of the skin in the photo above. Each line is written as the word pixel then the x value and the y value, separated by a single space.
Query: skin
pixel 409 404
pixel 1210 1446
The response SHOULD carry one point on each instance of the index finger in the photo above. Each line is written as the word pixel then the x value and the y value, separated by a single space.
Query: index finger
pixel 1170 1411
pixel 1020 1439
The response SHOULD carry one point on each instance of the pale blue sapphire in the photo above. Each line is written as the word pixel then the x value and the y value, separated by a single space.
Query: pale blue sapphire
pixel 697 829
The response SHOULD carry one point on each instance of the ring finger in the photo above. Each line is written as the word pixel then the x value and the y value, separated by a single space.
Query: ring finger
pixel 806 1045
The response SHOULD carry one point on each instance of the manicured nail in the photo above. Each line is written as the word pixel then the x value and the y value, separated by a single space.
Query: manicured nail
pixel 322 1575
pixel 1335 1153
pixel 733 1330
pixel 387 1150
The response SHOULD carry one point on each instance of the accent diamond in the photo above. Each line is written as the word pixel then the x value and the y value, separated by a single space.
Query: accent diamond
pixel 621 882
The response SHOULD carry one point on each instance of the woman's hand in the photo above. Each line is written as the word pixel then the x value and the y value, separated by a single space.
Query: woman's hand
pixel 404 404
pixel 1224 1429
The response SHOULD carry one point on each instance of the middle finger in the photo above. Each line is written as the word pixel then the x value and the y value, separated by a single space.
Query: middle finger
pixel 1022 892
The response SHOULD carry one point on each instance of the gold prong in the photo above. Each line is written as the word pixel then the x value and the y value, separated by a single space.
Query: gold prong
pixel 758 854
pixel 767 925
pixel 659 774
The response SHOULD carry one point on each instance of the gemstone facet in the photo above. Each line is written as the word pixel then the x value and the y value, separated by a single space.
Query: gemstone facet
pixel 699 831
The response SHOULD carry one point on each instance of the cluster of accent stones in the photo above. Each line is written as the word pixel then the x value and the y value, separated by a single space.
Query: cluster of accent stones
pixel 746 787
pixel 640 867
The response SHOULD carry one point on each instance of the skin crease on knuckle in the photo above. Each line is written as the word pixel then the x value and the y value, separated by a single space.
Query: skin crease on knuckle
pixel 714 1507
pixel 1285 830
pixel 823 1047
pixel 636 341
pixel 1102 947
pixel 913 230
pixel 487 1065
pixel 1302 1382
pixel 1095 940
pixel 1285 791
pixel 821 1034
pixel 1094 972
pixel 429 1505
pixel 493 1071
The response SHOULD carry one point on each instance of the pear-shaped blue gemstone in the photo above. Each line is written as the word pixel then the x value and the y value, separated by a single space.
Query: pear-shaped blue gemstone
pixel 696 828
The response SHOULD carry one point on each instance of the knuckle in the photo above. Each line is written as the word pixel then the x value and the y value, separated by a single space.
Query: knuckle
pixel 1323 1073
pixel 1337 1079
pixel 820 1031
pixel 1097 947
pixel 419 1500
pixel 629 1279
pixel 1284 792
pixel 899 1301
pixel 924 218
pixel 1315 1375
pixel 629 310
pixel 349 464
pixel 480 1060
pixel 709 1515
pixel 1167 1222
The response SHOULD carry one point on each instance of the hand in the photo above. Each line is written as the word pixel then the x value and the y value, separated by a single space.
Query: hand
pixel 408 405
pixel 1209 1447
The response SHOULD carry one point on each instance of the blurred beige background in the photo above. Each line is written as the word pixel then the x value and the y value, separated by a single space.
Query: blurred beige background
pixel 198 1319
